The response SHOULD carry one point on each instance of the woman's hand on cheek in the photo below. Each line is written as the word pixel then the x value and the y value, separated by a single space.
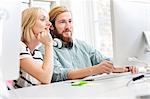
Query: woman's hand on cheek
pixel 45 37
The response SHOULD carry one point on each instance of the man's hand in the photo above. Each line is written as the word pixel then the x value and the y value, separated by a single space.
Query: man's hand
pixel 131 69
pixel 104 67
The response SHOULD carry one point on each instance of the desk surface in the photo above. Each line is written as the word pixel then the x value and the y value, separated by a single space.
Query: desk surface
pixel 108 88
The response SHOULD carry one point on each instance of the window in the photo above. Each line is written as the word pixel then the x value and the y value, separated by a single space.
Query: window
pixel 92 23
pixel 46 4
pixel 102 26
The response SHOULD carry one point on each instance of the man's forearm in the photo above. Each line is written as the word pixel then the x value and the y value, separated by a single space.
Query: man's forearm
pixel 80 73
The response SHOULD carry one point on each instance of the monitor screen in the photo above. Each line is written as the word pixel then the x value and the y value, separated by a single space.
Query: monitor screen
pixel 130 18
pixel 10 29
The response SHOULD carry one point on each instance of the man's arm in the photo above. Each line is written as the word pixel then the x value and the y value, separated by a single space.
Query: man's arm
pixel 103 67
pixel 99 63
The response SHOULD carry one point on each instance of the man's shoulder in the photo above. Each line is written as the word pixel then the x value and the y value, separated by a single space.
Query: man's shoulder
pixel 77 41
pixel 81 44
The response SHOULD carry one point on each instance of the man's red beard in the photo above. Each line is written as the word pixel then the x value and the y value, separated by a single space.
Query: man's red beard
pixel 60 36
pixel 67 41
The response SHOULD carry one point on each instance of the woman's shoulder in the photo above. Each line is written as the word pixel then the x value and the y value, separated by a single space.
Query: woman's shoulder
pixel 24 51
pixel 24 48
pixel 22 45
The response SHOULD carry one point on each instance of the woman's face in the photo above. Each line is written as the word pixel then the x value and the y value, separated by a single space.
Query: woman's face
pixel 42 23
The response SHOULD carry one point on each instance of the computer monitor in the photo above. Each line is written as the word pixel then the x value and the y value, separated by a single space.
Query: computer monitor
pixel 130 18
pixel 10 30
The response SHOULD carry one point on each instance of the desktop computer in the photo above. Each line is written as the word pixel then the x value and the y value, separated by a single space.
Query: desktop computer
pixel 131 33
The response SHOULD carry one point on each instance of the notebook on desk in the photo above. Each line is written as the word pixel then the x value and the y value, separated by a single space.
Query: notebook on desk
pixel 105 76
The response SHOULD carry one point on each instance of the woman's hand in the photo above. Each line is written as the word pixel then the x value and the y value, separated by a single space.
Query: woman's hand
pixel 45 37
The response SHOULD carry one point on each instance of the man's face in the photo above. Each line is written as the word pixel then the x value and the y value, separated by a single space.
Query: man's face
pixel 63 26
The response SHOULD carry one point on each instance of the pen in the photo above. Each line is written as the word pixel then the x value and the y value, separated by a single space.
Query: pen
pixel 78 83
pixel 135 78
pixel 88 80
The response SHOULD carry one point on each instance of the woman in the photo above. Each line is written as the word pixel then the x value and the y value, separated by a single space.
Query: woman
pixel 35 69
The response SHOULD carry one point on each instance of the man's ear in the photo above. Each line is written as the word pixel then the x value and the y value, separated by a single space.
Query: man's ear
pixel 51 27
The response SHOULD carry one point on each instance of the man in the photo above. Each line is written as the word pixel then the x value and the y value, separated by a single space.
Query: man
pixel 74 59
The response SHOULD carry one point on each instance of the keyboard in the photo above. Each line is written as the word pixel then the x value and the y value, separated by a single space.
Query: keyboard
pixel 105 76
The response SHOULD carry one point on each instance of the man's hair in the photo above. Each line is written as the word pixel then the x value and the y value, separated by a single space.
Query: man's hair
pixel 55 12
pixel 29 17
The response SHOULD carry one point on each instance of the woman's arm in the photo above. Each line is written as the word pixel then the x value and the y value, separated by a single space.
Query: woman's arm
pixel 42 71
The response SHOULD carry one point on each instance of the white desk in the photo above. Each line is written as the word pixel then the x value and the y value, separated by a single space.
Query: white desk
pixel 114 88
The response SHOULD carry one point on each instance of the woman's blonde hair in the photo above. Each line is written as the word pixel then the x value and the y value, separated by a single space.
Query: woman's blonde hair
pixel 29 17
pixel 55 12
